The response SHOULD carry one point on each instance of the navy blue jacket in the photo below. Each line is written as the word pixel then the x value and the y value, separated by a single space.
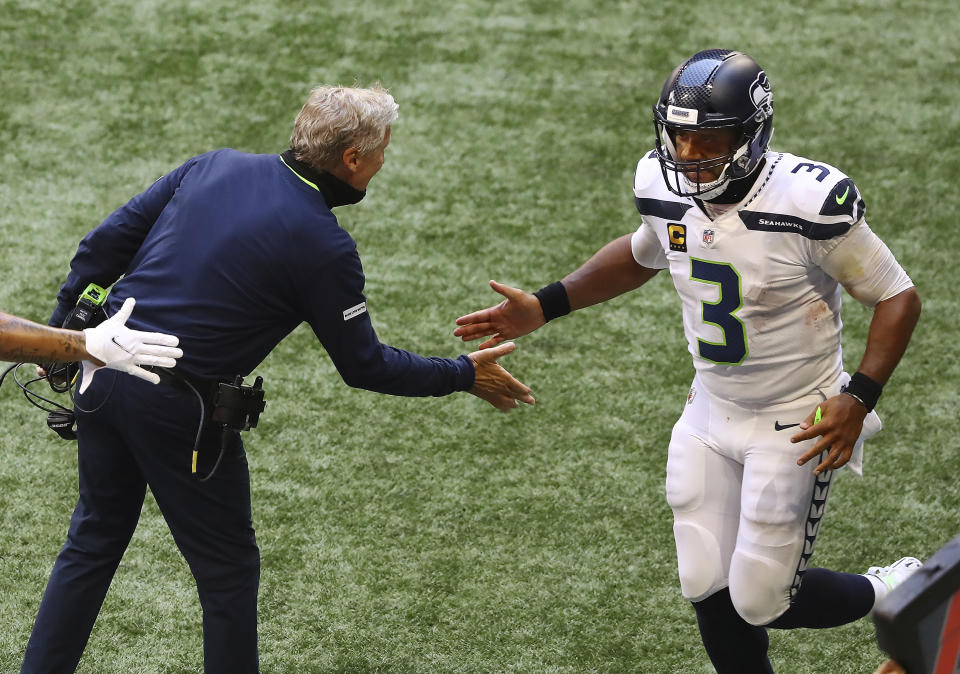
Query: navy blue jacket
pixel 230 252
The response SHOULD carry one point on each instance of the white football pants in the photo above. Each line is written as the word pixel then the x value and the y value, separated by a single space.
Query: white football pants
pixel 745 514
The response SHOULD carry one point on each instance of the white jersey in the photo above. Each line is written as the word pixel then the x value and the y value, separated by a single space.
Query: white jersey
pixel 760 284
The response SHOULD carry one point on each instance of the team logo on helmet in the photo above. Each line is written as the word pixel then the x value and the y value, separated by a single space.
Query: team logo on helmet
pixel 761 95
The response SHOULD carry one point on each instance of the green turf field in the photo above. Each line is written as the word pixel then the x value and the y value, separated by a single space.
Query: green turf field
pixel 439 535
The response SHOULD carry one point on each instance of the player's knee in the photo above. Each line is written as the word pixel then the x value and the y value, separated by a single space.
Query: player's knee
pixel 759 607
pixel 698 561
pixel 759 588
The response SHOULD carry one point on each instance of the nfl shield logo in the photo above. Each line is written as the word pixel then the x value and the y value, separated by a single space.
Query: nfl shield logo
pixel 708 235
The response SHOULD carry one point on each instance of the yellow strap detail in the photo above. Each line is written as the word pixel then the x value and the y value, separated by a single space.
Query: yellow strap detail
pixel 301 178
pixel 193 468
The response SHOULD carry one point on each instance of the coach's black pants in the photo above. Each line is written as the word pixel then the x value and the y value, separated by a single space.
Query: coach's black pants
pixel 141 436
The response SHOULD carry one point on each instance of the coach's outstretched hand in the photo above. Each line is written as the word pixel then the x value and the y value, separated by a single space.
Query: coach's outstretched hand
pixel 519 314
pixel 494 384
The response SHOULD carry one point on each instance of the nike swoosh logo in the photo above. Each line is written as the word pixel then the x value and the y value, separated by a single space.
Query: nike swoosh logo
pixel 121 346
pixel 778 427
pixel 840 200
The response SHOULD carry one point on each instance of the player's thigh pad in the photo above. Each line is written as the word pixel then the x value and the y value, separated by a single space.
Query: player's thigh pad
pixel 703 490
pixel 781 507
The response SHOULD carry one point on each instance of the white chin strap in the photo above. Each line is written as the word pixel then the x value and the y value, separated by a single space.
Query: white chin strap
pixel 709 190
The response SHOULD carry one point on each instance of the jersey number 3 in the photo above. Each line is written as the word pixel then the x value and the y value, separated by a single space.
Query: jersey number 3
pixel 722 313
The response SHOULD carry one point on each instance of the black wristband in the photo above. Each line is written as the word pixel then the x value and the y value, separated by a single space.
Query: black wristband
pixel 864 389
pixel 553 300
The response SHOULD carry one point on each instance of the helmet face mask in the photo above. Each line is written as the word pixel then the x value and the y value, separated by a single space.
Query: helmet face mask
pixel 714 89
pixel 689 178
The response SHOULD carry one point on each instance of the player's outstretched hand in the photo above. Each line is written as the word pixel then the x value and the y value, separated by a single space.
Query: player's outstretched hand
pixel 494 384
pixel 118 347
pixel 841 420
pixel 519 314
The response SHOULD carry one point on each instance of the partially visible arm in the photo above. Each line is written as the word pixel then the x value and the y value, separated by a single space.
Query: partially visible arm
pixel 28 342
pixel 869 272
pixel 335 307
pixel 110 344
pixel 890 331
pixel 611 271
pixel 867 269
pixel 843 415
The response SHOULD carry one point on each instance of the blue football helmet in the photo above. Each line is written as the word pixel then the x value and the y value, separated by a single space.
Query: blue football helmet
pixel 714 89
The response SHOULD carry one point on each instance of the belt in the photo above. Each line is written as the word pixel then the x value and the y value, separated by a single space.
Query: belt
pixel 233 406
pixel 207 388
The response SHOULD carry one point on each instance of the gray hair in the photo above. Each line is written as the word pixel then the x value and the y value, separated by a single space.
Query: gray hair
pixel 337 118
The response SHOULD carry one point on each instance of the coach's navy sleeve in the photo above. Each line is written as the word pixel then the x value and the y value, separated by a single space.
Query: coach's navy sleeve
pixel 339 317
pixel 105 253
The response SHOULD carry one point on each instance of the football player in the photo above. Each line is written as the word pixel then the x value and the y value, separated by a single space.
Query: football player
pixel 758 244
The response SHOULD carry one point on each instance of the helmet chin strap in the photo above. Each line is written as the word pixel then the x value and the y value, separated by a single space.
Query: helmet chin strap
pixel 709 190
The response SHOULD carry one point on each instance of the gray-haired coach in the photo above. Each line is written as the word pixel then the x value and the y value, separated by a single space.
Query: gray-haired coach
pixel 230 252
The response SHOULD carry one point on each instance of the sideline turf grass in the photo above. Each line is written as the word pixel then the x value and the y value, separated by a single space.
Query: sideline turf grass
pixel 441 536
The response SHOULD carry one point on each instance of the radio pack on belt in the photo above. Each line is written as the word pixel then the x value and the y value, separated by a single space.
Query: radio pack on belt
pixel 236 406
pixel 87 314
pixel 233 407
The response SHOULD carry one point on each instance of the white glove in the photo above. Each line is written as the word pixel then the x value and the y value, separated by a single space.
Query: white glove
pixel 123 349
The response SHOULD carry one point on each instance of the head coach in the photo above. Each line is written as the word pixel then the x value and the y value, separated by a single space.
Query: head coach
pixel 230 251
